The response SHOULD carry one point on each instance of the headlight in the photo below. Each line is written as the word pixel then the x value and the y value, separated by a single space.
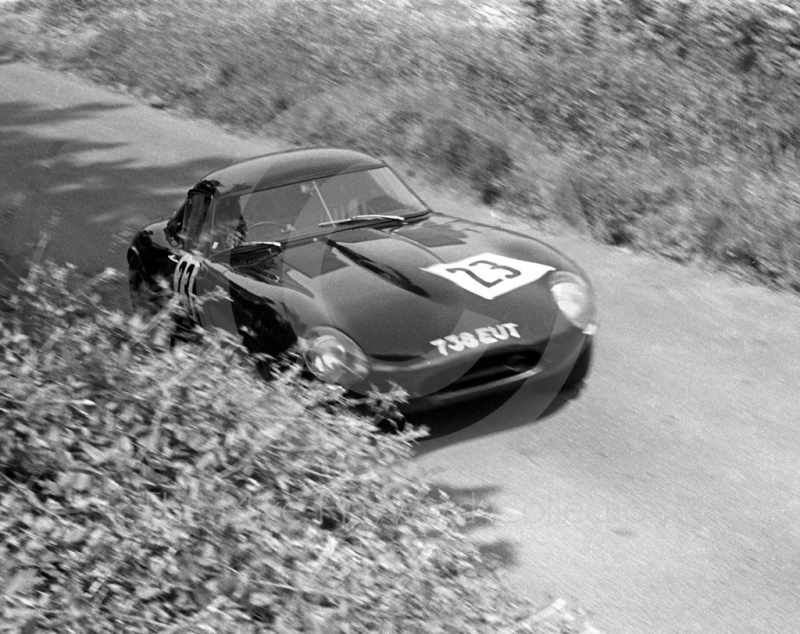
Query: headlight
pixel 335 358
pixel 574 298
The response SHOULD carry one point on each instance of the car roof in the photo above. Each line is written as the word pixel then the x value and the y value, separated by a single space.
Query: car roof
pixel 283 168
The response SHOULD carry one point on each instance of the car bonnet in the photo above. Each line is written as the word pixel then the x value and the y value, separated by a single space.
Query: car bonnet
pixel 395 291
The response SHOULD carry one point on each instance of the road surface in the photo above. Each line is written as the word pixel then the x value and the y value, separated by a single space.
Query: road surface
pixel 664 497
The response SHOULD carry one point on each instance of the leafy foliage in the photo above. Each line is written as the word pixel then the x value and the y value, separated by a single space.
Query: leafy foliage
pixel 150 488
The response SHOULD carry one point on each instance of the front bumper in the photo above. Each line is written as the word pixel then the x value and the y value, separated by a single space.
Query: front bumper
pixel 432 383
pixel 549 367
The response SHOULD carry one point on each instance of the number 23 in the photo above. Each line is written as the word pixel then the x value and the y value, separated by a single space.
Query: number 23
pixel 512 273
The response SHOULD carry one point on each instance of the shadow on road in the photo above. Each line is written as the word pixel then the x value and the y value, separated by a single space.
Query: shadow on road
pixel 499 552
pixel 97 193
pixel 530 404
pixel 455 424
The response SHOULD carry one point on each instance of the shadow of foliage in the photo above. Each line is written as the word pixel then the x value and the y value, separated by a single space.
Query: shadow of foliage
pixel 96 193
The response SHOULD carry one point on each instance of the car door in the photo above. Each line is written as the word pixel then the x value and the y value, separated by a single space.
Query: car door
pixel 225 282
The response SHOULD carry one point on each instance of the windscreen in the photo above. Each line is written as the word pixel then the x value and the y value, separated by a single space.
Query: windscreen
pixel 299 208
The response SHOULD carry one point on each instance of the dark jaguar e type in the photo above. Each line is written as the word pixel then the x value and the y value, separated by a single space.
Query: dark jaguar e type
pixel 330 247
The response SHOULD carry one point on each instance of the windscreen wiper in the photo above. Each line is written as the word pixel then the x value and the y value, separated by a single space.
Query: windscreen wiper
pixel 327 223
pixel 250 248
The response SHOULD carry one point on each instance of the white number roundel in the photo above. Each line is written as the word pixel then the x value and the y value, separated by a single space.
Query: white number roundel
pixel 489 275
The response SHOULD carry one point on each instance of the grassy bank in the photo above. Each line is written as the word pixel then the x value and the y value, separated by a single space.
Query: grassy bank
pixel 146 488
pixel 667 126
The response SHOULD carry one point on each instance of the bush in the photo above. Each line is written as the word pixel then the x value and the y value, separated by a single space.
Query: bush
pixel 484 161
pixel 145 488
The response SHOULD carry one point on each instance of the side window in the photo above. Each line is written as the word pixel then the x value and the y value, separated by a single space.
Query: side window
pixel 196 221
pixel 175 225
pixel 230 227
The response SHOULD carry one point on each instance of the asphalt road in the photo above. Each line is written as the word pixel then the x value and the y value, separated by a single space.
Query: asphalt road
pixel 663 497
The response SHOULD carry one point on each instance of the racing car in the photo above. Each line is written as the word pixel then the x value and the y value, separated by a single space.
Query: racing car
pixel 329 252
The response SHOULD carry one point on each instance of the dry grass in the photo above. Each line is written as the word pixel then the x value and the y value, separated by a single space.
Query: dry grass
pixel 673 125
